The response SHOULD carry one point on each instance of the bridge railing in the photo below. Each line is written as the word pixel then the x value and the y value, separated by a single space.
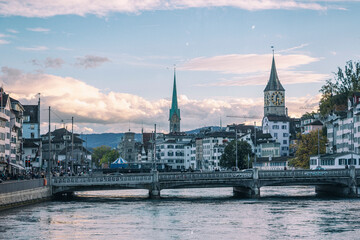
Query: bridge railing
pixel 304 173
pixel 111 179
pixel 203 176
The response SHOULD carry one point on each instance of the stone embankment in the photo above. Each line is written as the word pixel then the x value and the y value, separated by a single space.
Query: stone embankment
pixel 23 192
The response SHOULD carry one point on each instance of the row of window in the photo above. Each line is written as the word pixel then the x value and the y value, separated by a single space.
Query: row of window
pixel 278 127
pixel 331 162
pixel 284 135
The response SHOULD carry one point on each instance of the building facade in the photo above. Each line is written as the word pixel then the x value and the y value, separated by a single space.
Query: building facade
pixel 31 135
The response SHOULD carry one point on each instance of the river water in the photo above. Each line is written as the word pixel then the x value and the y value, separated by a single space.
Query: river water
pixel 280 213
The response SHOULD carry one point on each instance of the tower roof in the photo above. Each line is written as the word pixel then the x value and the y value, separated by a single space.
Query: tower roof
pixel 174 104
pixel 273 83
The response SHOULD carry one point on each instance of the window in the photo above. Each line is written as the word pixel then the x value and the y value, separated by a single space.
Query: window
pixel 32 135
pixel 275 127
pixel 285 135
pixel 170 154
pixel 32 126
pixel 275 135
pixel 284 141
pixel 283 127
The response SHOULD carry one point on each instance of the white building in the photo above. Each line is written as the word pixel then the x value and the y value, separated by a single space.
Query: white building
pixel 279 128
pixel 214 144
pixel 343 128
pixel 335 161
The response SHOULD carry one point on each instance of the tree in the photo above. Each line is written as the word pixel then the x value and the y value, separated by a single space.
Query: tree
pixel 98 154
pixel 336 92
pixel 109 157
pixel 228 157
pixel 307 146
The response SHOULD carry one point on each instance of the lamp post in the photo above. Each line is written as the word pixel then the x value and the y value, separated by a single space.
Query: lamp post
pixel 236 150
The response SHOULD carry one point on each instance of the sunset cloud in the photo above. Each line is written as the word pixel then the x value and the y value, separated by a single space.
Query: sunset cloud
pixel 253 69
pixel 246 63
pixel 93 109
pixel 36 8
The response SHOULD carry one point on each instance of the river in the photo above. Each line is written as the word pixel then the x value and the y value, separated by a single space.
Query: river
pixel 280 213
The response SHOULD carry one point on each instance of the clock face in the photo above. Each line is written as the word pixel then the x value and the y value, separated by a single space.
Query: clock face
pixel 277 98
pixel 267 99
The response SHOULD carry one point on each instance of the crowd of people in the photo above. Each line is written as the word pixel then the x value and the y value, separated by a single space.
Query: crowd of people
pixel 22 175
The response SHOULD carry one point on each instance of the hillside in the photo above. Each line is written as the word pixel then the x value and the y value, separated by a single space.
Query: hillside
pixel 113 139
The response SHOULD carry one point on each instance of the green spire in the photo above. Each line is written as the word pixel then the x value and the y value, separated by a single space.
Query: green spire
pixel 274 83
pixel 174 104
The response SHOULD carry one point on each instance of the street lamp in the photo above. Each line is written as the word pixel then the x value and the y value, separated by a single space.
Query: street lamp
pixel 236 150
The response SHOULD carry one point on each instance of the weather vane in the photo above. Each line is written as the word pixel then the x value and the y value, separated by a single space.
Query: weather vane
pixel 272 47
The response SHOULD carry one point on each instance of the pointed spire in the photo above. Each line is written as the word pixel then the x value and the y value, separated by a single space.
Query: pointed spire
pixel 273 83
pixel 174 104
pixel 174 97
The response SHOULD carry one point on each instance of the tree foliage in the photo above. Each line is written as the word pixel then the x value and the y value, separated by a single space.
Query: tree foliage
pixel 228 158
pixel 336 91
pixel 109 157
pixel 98 154
pixel 307 146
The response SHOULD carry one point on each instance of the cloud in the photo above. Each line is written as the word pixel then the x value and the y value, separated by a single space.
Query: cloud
pixel 246 63
pixel 38 48
pixel 253 69
pixel 95 111
pixel 90 61
pixel 293 48
pixel 286 77
pixel 53 62
pixel 38 29
pixel 44 8
pixel 2 41
pixel 12 31
pixel 49 62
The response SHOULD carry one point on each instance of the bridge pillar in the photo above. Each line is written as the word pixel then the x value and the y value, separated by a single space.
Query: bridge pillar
pixel 352 183
pixel 154 191
pixel 252 191
pixel 348 191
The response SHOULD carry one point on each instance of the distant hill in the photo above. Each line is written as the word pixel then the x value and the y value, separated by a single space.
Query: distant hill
pixel 108 139
pixel 113 139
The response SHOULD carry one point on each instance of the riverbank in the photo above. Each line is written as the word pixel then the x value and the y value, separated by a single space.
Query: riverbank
pixel 25 192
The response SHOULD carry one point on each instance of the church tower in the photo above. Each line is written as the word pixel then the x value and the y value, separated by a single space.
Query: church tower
pixel 274 95
pixel 174 116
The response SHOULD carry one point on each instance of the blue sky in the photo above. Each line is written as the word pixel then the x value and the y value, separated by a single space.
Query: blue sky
pixel 111 63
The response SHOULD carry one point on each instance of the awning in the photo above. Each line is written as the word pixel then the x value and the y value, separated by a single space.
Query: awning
pixel 17 166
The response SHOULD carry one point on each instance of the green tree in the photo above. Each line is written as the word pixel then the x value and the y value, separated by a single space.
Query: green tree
pixel 307 146
pixel 336 92
pixel 109 157
pixel 98 153
pixel 228 158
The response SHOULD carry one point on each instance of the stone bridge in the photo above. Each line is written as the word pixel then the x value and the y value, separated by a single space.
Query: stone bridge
pixel 337 182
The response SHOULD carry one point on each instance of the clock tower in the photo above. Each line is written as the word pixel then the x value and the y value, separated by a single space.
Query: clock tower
pixel 174 116
pixel 274 95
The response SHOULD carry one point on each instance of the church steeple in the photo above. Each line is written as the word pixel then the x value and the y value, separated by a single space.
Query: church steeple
pixel 174 116
pixel 274 94
pixel 273 83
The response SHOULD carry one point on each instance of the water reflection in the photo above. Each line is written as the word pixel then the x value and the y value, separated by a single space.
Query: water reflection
pixel 281 213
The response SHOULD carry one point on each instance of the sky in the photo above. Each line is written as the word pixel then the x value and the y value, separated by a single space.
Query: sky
pixel 110 64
